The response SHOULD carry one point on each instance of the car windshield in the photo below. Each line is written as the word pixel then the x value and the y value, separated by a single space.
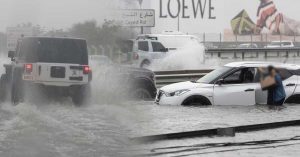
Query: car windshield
pixel 54 50
pixel 214 75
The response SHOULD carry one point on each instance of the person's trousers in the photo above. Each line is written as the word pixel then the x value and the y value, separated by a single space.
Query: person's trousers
pixel 279 103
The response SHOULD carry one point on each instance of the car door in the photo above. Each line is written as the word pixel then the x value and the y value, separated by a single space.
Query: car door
pixel 289 82
pixel 234 89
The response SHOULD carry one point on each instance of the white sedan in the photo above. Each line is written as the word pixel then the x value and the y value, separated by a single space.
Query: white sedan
pixel 233 84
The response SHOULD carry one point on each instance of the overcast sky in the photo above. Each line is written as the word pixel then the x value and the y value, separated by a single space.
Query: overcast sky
pixel 53 13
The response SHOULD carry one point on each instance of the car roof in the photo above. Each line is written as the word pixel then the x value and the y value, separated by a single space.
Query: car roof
pixel 264 64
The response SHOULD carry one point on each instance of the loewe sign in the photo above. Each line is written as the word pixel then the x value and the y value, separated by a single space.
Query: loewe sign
pixel 187 9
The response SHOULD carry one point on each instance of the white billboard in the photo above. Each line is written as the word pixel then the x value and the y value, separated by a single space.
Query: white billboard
pixel 137 18
pixel 216 16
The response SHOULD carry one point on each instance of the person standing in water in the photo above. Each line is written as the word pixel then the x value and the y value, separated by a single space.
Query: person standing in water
pixel 279 94
pixel 276 93
pixel 277 23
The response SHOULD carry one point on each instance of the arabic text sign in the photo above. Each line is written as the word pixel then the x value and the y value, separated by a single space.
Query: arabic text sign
pixel 138 18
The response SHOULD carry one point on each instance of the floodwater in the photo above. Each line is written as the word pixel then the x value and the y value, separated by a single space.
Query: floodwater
pixel 172 119
pixel 240 145
pixel 62 130
pixel 59 129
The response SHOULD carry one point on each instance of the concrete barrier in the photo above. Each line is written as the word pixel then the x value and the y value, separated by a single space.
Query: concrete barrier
pixel 253 53
pixel 230 131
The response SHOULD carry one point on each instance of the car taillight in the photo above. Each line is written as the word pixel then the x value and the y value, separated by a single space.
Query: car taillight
pixel 86 69
pixel 28 68
pixel 136 56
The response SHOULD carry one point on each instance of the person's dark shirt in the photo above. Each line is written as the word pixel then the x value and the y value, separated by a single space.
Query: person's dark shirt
pixel 278 91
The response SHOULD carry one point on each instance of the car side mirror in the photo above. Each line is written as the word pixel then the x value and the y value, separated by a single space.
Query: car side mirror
pixel 11 55
pixel 165 50
pixel 220 82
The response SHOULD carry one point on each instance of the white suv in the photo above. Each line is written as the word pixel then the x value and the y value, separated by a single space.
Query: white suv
pixel 49 67
pixel 146 51
pixel 233 84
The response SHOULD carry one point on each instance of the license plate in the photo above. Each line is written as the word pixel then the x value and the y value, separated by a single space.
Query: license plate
pixel 75 72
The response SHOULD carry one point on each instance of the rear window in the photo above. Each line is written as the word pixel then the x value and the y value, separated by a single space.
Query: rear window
pixel 49 50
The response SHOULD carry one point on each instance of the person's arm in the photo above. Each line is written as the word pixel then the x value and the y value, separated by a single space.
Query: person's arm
pixel 261 72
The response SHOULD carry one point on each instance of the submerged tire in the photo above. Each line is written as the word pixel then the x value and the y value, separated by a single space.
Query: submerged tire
pixel 17 88
pixel 82 95
pixel 142 90
pixel 145 64
pixel 196 101
pixel 141 94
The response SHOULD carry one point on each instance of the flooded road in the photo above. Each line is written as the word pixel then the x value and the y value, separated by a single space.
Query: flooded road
pixel 172 119
pixel 57 130
pixel 63 130
pixel 169 119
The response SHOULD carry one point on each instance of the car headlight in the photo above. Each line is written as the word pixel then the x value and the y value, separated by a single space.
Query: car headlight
pixel 177 93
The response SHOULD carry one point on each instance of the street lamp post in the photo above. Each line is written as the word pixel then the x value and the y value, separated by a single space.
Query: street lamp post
pixel 141 3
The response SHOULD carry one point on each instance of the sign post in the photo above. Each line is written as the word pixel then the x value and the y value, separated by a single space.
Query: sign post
pixel 141 3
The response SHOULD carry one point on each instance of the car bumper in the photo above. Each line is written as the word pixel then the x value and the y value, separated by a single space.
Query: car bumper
pixel 162 99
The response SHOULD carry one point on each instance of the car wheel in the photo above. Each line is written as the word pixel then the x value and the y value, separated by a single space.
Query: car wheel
pixel 196 101
pixel 141 94
pixel 145 64
pixel 17 90
pixel 81 95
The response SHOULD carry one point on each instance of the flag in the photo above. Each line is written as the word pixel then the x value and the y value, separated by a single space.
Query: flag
pixel 242 24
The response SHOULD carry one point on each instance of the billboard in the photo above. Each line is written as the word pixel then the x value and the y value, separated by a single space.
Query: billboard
pixel 137 18
pixel 218 16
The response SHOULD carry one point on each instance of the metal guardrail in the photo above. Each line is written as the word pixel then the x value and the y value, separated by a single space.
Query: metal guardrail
pixel 168 77
pixel 253 52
